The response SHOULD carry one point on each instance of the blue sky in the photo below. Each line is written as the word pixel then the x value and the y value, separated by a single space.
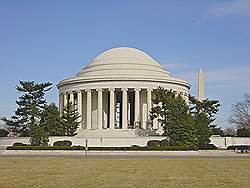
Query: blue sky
pixel 51 40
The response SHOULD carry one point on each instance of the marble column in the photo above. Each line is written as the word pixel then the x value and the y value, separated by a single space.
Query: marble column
pixel 155 120
pixel 99 109
pixel 79 108
pixel 65 100
pixel 124 109
pixel 61 96
pixel 71 98
pixel 137 105
pixel 186 98
pixel 149 103
pixel 155 123
pixel 112 109
pixel 89 113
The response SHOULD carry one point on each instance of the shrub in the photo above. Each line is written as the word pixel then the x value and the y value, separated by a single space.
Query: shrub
pixel 154 143
pixel 3 133
pixel 19 144
pixel 62 143
pixel 165 142
pixel 208 147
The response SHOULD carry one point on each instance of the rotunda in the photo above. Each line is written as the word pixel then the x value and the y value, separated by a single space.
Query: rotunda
pixel 113 92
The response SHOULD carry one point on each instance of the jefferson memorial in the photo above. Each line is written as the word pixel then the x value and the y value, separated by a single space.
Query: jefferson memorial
pixel 113 93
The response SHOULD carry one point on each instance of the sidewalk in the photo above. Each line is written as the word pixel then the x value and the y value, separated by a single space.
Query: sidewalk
pixel 43 153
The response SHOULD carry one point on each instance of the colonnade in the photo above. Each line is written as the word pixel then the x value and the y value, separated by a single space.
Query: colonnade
pixel 76 98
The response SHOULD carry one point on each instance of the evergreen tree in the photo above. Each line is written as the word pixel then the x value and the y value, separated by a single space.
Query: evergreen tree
pixel 207 106
pixel 163 100
pixel 38 137
pixel 3 133
pixel 70 121
pixel 51 121
pixel 203 113
pixel 172 113
pixel 16 126
pixel 214 130
pixel 30 106
pixel 202 129
pixel 182 132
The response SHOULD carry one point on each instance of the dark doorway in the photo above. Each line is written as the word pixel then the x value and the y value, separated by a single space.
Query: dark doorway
pixel 131 109
pixel 118 110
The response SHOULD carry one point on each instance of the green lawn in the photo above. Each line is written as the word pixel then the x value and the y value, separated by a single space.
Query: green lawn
pixel 124 172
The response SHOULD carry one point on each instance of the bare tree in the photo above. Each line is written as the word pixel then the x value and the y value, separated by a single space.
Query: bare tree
pixel 2 125
pixel 240 116
pixel 230 131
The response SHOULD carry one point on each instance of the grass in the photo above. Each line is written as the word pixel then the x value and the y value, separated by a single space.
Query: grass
pixel 124 172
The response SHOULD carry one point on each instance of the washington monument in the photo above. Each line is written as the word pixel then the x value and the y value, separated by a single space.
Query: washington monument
pixel 201 86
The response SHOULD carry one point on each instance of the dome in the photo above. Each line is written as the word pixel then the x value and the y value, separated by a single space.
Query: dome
pixel 124 63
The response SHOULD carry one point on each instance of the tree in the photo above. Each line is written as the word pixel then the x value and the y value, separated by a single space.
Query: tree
pixel 183 124
pixel 214 130
pixel 2 124
pixel 163 100
pixel 51 121
pixel 207 106
pixel 240 115
pixel 243 132
pixel 38 137
pixel 230 131
pixel 16 126
pixel 203 113
pixel 202 129
pixel 172 113
pixel 70 121
pixel 182 132
pixel 3 133
pixel 55 125
pixel 30 106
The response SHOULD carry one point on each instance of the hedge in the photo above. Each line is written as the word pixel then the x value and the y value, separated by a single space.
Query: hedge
pixel 134 148
pixel 45 148
pixel 147 148
pixel 208 147
pixel 239 147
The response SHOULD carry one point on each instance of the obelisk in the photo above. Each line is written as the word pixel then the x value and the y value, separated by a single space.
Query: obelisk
pixel 201 86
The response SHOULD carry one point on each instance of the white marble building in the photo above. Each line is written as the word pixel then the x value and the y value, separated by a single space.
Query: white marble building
pixel 113 93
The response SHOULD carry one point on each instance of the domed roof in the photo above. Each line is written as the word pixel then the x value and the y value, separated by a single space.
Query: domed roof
pixel 124 63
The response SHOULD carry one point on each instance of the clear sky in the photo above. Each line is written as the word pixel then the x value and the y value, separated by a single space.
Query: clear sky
pixel 51 40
